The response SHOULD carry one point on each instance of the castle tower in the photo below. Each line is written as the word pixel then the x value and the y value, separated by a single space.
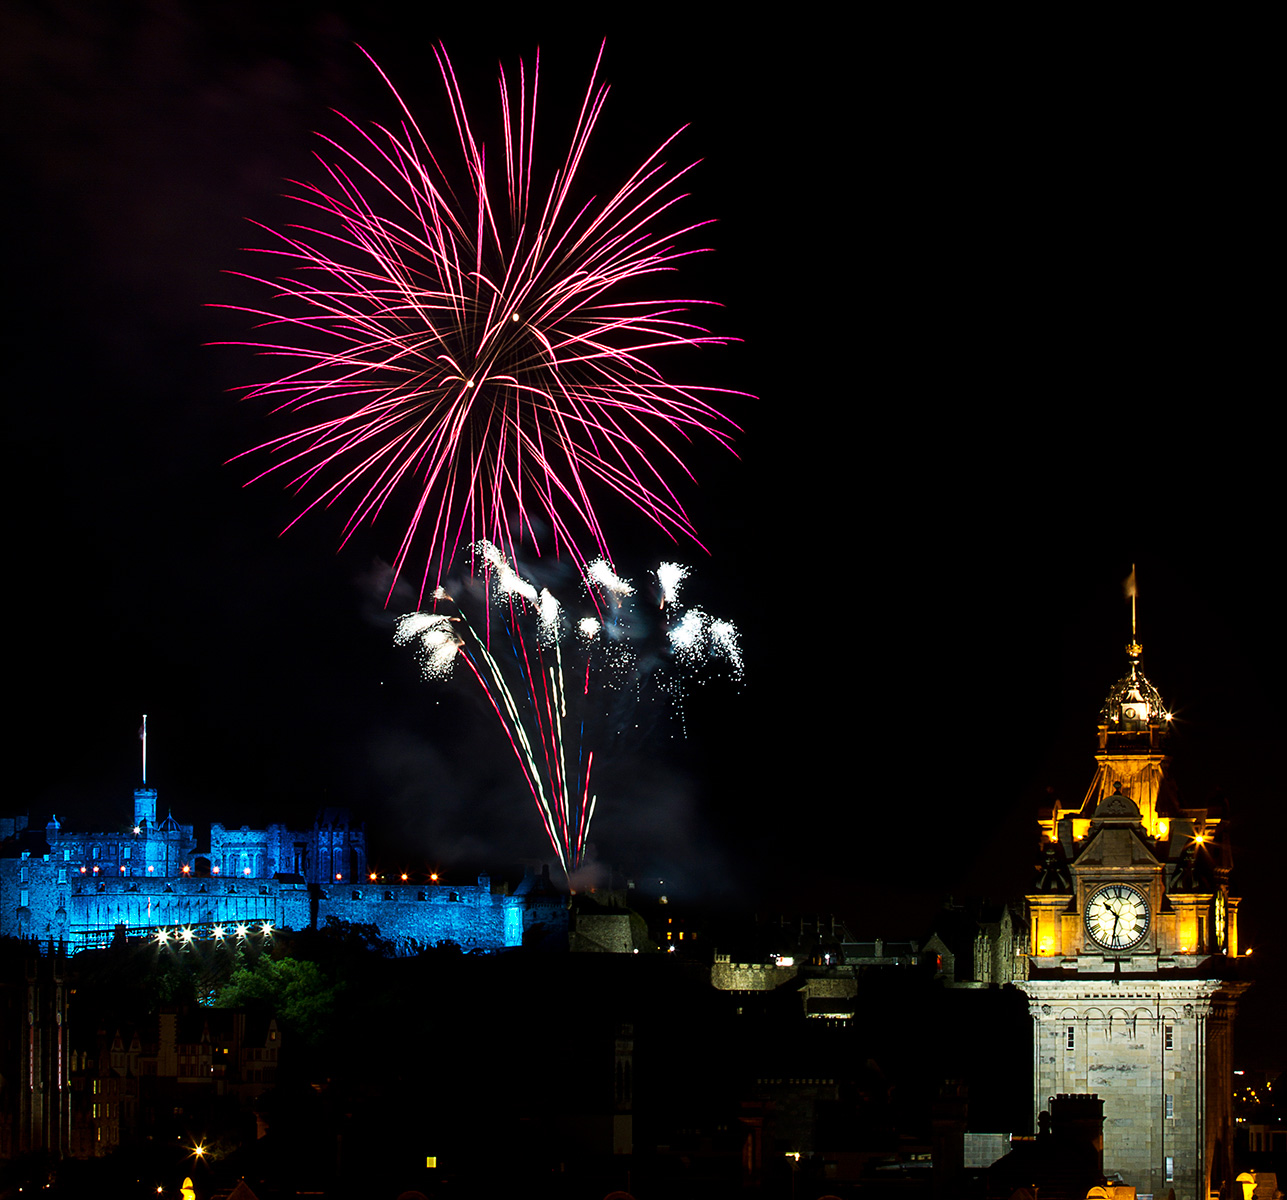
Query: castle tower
pixel 145 807
pixel 1131 972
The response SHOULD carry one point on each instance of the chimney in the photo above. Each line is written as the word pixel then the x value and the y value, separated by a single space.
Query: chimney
pixel 1079 1117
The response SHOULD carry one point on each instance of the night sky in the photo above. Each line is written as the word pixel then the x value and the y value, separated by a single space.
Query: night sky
pixel 1004 313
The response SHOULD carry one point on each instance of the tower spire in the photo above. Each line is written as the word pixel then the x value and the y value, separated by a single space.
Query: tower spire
pixel 1134 649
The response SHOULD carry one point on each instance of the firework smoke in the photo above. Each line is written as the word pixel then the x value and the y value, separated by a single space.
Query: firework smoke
pixel 559 708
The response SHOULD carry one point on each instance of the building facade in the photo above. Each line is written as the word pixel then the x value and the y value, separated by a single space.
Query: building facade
pixel 1131 966
pixel 35 1102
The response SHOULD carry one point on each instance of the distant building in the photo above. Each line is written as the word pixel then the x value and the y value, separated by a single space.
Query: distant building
pixel 35 1101
pixel 128 1083
pixel 78 889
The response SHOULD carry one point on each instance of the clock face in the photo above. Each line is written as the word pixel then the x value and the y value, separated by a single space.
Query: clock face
pixel 1117 916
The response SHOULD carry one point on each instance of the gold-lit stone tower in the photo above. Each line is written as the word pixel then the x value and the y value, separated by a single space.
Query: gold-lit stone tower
pixel 1131 971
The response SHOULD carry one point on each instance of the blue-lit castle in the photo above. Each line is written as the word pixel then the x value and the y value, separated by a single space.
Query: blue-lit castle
pixel 83 889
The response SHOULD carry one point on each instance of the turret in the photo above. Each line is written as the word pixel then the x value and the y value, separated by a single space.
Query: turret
pixel 144 807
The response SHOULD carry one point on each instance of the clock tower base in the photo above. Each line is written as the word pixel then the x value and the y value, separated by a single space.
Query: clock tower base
pixel 1158 1053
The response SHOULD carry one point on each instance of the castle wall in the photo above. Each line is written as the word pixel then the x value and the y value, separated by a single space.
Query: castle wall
pixel 95 909
pixel 472 917
pixel 749 977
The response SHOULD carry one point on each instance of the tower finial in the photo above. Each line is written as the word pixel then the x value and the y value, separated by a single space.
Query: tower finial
pixel 1134 649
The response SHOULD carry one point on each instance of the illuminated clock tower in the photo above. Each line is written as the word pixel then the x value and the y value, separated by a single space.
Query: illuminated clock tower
pixel 1130 975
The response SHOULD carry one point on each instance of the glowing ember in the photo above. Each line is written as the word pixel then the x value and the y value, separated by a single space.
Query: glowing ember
pixel 670 575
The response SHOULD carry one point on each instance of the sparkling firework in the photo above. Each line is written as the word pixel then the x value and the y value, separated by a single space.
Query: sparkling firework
pixel 480 351
pixel 553 702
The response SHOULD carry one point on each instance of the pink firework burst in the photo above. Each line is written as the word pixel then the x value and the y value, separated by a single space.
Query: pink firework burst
pixel 481 352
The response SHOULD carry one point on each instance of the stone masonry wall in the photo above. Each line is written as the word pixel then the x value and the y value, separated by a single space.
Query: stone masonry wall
pixel 1133 1052
pixel 750 977
pixel 472 917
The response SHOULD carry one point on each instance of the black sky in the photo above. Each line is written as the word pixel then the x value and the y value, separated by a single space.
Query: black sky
pixel 1001 295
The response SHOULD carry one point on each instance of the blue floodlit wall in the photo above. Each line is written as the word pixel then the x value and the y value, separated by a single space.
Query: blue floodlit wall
pixel 78 887
pixel 472 917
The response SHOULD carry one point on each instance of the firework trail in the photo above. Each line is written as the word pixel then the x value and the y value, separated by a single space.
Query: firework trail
pixel 479 352
pixel 552 704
